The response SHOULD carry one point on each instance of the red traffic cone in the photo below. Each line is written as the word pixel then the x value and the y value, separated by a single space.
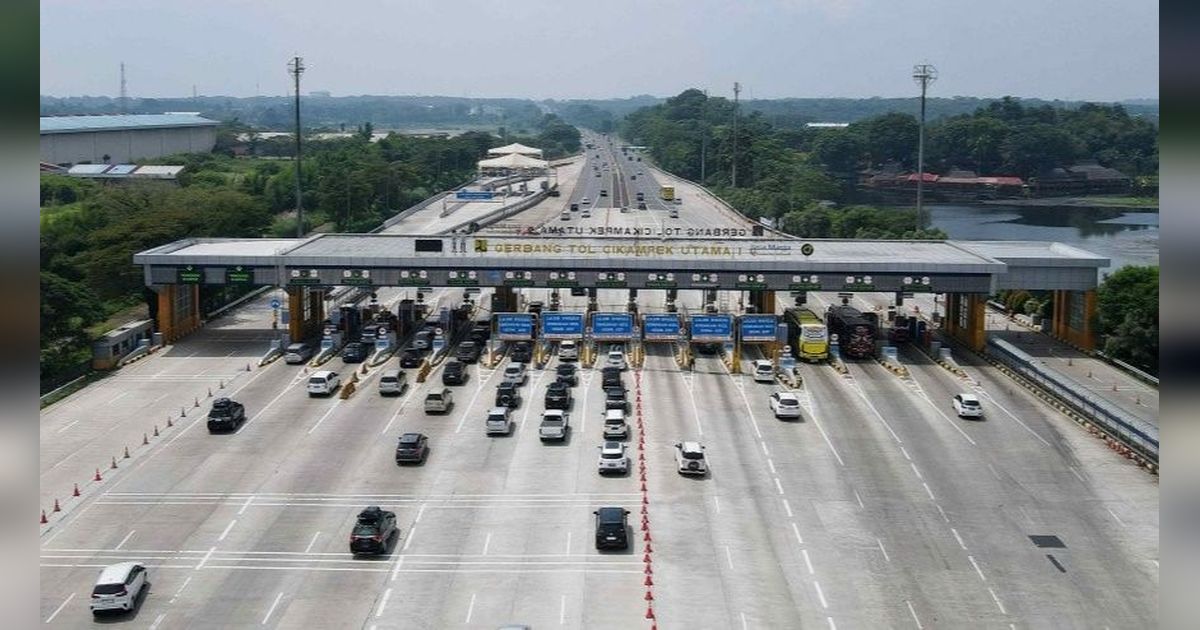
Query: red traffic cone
pixel 646 526
pixel 646 538
pixel 44 521
pixel 648 570
pixel 649 611
pixel 646 559
pixel 649 596
pixel 643 486
pixel 645 500
pixel 649 549
pixel 97 477
pixel 75 492
pixel 649 581
pixel 56 507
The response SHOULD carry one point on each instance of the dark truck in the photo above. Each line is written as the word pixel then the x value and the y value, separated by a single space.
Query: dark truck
pixel 225 415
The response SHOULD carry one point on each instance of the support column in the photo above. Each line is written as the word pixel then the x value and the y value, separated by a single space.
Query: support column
pixel 178 310
pixel 976 333
pixel 305 312
pixel 1073 315
pixel 504 300
pixel 763 301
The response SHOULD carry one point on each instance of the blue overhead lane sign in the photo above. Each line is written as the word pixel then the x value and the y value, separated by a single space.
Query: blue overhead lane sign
pixel 560 325
pixel 711 327
pixel 757 327
pixel 612 325
pixel 514 326
pixel 660 327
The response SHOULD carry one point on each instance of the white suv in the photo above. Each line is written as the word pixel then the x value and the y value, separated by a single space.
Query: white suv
pixel 616 358
pixel 785 405
pixel 515 374
pixel 764 371
pixel 323 383
pixel 689 458
pixel 568 350
pixel 614 424
pixel 499 421
pixel 613 459
pixel 118 587
pixel 967 405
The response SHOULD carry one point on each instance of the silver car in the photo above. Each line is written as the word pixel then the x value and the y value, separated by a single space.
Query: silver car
pixel 613 459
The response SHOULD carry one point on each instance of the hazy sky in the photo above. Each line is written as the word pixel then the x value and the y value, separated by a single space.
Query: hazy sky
pixel 1069 49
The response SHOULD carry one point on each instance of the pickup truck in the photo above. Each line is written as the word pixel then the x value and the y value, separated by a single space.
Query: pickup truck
pixel 555 424
pixel 439 402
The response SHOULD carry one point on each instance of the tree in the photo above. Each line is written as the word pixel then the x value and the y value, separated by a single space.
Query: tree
pixel 1038 148
pixel 841 151
pixel 1127 315
pixel 890 138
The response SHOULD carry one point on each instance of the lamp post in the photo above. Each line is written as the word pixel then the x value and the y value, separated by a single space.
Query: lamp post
pixel 923 74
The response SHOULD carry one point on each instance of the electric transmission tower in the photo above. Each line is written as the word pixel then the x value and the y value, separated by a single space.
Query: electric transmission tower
pixel 923 74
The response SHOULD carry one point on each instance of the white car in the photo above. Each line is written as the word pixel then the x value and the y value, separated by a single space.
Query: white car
pixel 499 421
pixel 689 458
pixel 584 200
pixel 555 425
pixel 764 371
pixel 967 405
pixel 515 373
pixel 568 350
pixel 323 383
pixel 119 586
pixel 613 459
pixel 785 405
pixel 614 424
pixel 616 358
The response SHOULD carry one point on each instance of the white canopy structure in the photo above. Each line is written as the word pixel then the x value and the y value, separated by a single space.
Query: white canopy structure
pixel 512 161
pixel 515 147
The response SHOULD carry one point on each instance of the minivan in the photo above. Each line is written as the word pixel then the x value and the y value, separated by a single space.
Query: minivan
pixel 323 383
pixel 118 587
pixel 611 528
pixel 764 371
pixel 568 350
pixel 297 353
pixel 392 382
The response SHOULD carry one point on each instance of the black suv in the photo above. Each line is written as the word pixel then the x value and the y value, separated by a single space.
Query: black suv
pixel 610 377
pixel 354 352
pixel 614 398
pixel 468 352
pixel 412 448
pixel 522 352
pixel 567 374
pixel 454 374
pixel 373 531
pixel 612 530
pixel 558 396
pixel 411 358
pixel 508 395
pixel 225 415
pixel 480 333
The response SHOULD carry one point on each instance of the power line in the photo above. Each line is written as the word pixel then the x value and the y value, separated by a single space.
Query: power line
pixel 923 74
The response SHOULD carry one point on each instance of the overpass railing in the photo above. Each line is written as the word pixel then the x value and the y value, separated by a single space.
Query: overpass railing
pixel 1134 432
pixel 724 204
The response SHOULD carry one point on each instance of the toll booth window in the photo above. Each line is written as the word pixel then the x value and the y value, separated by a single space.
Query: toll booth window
pixel 427 245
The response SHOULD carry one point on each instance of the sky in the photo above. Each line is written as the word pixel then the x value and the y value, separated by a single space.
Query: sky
pixel 1102 50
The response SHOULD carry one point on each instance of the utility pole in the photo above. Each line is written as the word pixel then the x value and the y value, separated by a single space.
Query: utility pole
pixel 737 88
pixel 124 94
pixel 296 68
pixel 923 74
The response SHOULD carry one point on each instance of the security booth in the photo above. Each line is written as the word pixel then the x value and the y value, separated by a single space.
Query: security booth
pixel 115 345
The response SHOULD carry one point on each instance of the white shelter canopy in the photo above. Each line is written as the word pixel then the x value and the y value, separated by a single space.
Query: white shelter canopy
pixel 515 147
pixel 513 160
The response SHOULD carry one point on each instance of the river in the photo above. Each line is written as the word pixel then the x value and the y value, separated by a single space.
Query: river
pixel 1127 236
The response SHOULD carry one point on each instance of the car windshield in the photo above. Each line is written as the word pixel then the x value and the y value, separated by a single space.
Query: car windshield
pixel 108 589
pixel 434 396
pixel 409 439
pixel 696 454
pixel 970 403
pixel 316 380
pixel 789 402
pixel 611 454
pixel 366 529
pixel 552 421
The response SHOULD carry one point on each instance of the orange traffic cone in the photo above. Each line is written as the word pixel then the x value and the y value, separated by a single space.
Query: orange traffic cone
pixel 44 521
pixel 649 581
pixel 75 492
pixel 56 507
pixel 97 477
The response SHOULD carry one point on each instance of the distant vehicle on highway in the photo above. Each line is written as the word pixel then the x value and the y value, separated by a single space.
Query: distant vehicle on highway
pixel 411 357
pixel 323 383
pixel 565 216
pixel 967 406
pixel 785 405
pixel 614 398
pixel 764 371
pixel 614 424
pixel 585 199
pixel 392 381
pixel 612 530
pixel 508 395
pixel 613 459
pixel 522 352
pixel 574 207
pixel 568 350
pixel 412 448
pixel 373 531
pixel 673 213
pixel 439 401
pixel 515 374
pixel 354 352
pixel 616 358
pixel 603 192
pixel 225 415
pixel 641 205
pixel 667 193
pixel 689 458
pixel 499 421
pixel 586 214
pixel 118 587
pixel 468 352
pixel 566 373
pixel 297 353
pixel 558 396
pixel 455 373
pixel 555 425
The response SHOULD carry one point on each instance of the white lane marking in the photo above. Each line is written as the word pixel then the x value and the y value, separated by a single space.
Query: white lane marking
pixel 152 402
pixel 928 491
pixel 1076 473
pixel 487 542
pixel 958 538
pixel 332 408
pixel 312 542
pixel 568 551
pixel 227 528
pixel 420 512
pixel 993 470
pixel 729 557
pixel 832 626
pixel 692 396
pixel 52 537
pixel 978 571
pixel 396 568
pixel 60 607
pixel 778 486
pixel 470 609
pixel 1010 414
pixel 924 396
pixel 180 591
pixel 272 608
pixel 1117 518
pixel 820 594
pixel 807 562
pixel 246 505
pixel 474 397
pixel 157 620
pixel 117 397
pixel 913 612
pixel 942 512
pixel 412 389
pixel 743 616
pixel 124 540
pixel 914 467
pixel 68 426
pixel 717 504
pixel 771 465
pixel 796 531
pixel 766 453
pixel 997 600
pixel 882 550
pixel 562 610
pixel 408 541
pixel 859 499
pixel 787 507
pixel 383 603
pixel 200 565
pixel 905 451
pixel 828 442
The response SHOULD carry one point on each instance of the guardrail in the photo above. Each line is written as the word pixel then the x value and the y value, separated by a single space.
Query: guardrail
pixel 1131 370
pixel 724 204
pixel 503 212
pixel 1137 434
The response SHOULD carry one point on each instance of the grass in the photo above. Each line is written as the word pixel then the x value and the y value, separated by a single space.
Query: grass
pixel 1133 202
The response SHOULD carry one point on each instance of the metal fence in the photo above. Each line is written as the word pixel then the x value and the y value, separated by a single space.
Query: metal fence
pixel 1136 433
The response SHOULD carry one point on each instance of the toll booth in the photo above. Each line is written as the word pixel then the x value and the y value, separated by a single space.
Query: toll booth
pixel 108 350
pixel 306 312
pixel 965 319
pixel 1072 318
pixel 178 310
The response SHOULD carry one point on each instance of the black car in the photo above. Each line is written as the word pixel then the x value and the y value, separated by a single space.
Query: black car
pixel 558 396
pixel 455 373
pixel 354 352
pixel 522 352
pixel 574 207
pixel 578 291
pixel 612 530
pixel 641 205
pixel 373 531
pixel 225 415
pixel 411 358
pixel 567 373
pixel 412 448
pixel 536 307
pixel 468 352
pixel 708 348
pixel 610 376
pixel 614 398
pixel 508 395
pixel 480 333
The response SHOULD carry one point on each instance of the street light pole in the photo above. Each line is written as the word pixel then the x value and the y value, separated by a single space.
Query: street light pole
pixel 737 88
pixel 296 68
pixel 924 74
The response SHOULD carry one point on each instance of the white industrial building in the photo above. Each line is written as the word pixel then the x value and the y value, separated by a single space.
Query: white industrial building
pixel 113 139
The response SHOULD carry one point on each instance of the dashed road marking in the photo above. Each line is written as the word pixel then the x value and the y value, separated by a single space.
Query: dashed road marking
pixel 227 528
pixel 913 612
pixel 807 561
pixel 820 594
pixel 60 608
pixel 124 540
pixel 879 541
pixel 272 608
pixel 978 571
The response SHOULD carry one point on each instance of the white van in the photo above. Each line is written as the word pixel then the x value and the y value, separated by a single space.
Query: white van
pixel 118 587
pixel 568 350
pixel 392 382
pixel 764 371
pixel 565 216
pixel 323 383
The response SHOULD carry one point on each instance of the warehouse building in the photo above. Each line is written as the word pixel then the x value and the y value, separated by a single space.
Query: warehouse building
pixel 113 139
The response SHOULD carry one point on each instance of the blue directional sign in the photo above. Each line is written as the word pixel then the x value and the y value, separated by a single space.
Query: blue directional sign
pixel 612 325
pixel 559 325
pixel 712 327
pixel 757 328
pixel 514 326
pixel 660 327
pixel 473 195
pixel 275 303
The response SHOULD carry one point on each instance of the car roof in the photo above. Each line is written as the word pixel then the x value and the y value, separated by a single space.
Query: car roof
pixel 553 412
pixel 690 446
pixel 498 410
pixel 323 374
pixel 517 365
pixel 116 573
pixel 786 396
pixel 972 397
pixel 410 437
pixel 614 413
pixel 611 514
pixel 613 446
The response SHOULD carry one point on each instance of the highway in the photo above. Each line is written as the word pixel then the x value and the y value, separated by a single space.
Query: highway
pixel 879 508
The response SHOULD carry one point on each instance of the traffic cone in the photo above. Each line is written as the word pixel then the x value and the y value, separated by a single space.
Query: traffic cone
pixel 646 538
pixel 56 506
pixel 44 521
pixel 643 486
pixel 126 453
pixel 114 463
pixel 649 597
pixel 210 392
pixel 182 412
pixel 97 477
pixel 649 581
pixel 75 492
pixel 649 549
pixel 645 526
pixel 646 559
pixel 145 439
pixel 649 611
pixel 648 570
pixel 364 368
pixel 247 367
pixel 156 430
pixel 169 423
pixel 221 385
pixel 195 402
